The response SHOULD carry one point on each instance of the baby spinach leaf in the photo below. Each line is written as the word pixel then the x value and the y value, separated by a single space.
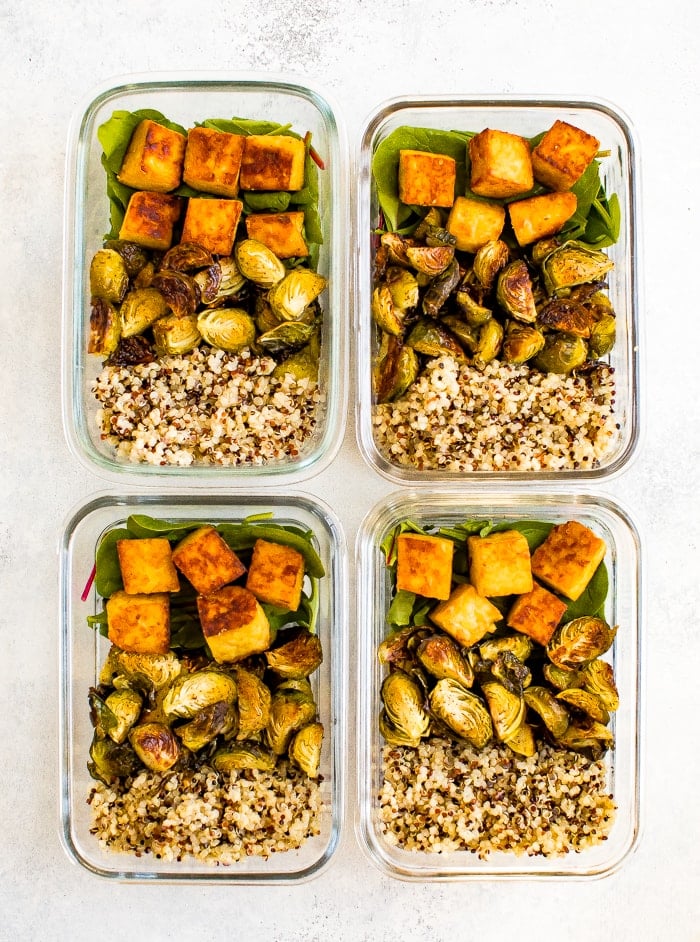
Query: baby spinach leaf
pixel 108 575
pixel 401 608
pixel 592 599
pixel 141 526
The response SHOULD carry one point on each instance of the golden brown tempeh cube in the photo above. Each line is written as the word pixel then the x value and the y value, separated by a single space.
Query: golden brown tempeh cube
pixel 276 574
pixel 473 223
pixel 213 161
pixel 212 224
pixel 153 159
pixel 147 566
pixel 499 564
pixel 424 565
pixel 139 623
pixel 426 179
pixel 541 216
pixel 272 162
pixel 466 615
pixel 536 613
pixel 562 155
pixel 568 558
pixel 500 164
pixel 150 218
pixel 234 624
pixel 282 233
pixel 205 558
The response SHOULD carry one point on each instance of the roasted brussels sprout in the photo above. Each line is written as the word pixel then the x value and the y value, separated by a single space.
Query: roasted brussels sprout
pixel 190 693
pixel 110 760
pixel 474 313
pixel 467 335
pixel 135 257
pixel 140 309
pixel 585 702
pixel 173 336
pixel 105 328
pixel 553 714
pixel 291 335
pixel 254 701
pixel 385 313
pixel 507 709
pixel 561 353
pixel 186 256
pixel 430 260
pixel 143 672
pixel 433 340
pixel 289 711
pixel 125 706
pixel 303 364
pixel 489 260
pixel 462 712
pixel 521 343
pixel 403 288
pixel 603 334
pixel 291 296
pixel 305 749
pixel 599 678
pixel 514 292
pixel 395 736
pixel 580 641
pixel 156 746
pixel 587 736
pixel 109 278
pixel 258 263
pixel 397 248
pixel 517 644
pixel 130 351
pixel 522 741
pixel 243 755
pixel 574 264
pixel 540 250
pixel 442 658
pixel 229 328
pixel 395 369
pixel 489 344
pixel 440 289
pixel 179 290
pixel 299 656
pixel 566 315
pixel 206 725
pixel 511 672
pixel 403 702
pixel 221 280
pixel 560 678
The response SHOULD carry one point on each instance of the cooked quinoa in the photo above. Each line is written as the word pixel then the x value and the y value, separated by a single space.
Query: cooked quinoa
pixel 208 407
pixel 504 418
pixel 444 797
pixel 214 817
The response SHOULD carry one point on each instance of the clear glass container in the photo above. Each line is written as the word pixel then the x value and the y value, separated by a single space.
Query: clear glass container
pixel 83 650
pixel 623 608
pixel 186 99
pixel 619 173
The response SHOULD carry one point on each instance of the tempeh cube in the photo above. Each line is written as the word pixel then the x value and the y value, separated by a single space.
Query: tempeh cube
pixel 139 623
pixel 212 223
pixel 499 564
pixel 467 616
pixel 150 218
pixel 205 558
pixel 424 565
pixel 282 233
pixel 536 613
pixel 272 162
pixel 563 155
pixel 147 566
pixel 233 623
pixel 213 161
pixel 568 558
pixel 473 223
pixel 276 574
pixel 426 179
pixel 153 159
pixel 500 164
pixel 541 216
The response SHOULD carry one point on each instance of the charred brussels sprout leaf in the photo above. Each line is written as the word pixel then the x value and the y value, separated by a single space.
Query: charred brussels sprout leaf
pixel 156 746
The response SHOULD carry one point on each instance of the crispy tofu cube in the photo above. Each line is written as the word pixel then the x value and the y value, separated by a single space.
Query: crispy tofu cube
pixel 282 233
pixel 205 558
pixel 212 224
pixel 426 179
pixel 139 623
pixel 147 566
pixel 466 615
pixel 276 574
pixel 536 613
pixel 150 218
pixel 541 216
pixel 234 624
pixel 272 162
pixel 153 160
pixel 562 155
pixel 568 558
pixel 500 164
pixel 213 161
pixel 499 564
pixel 473 223
pixel 424 565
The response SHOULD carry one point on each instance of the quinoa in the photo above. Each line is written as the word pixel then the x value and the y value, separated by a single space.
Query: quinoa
pixel 503 418
pixel 207 406
pixel 443 797
pixel 215 817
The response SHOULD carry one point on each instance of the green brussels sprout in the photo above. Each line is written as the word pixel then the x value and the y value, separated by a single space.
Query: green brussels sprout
pixel 430 260
pixel 489 260
pixel 517 644
pixel 303 364
pixel 110 760
pixel 395 369
pixel 173 336
pixel 254 702
pixel 553 714
pixel 396 247
pixel 143 672
pixel 566 315
pixel 134 256
pixel 467 335
pixel 521 343
pixel 125 706
pixel 440 288
pixel 109 278
pixel 433 340
pixel 540 250
pixel 489 344
pixel 433 219
pixel 474 314
pixel 244 755
pixel 291 296
pixel 561 353
pixel 258 263
pixel 580 641
pixel 599 678
pixel 522 741
pixel 386 315
pixel 289 711
pixel 105 328
pixel 298 655
pixel 395 736
pixel 507 709
pixel 404 289
pixel 186 256
pixel 206 725
pixel 442 658
pixel 221 280
pixel 574 264
pixel 144 277
pixel 585 702
pixel 190 693
pixel 179 290
pixel 603 333
pixel 561 679
pixel 156 746
pixel 228 328
pixel 514 292
pixel 462 712
pixel 403 701
pixel 288 336
pixel 101 716
pixel 586 736
pixel 140 309
pixel 305 749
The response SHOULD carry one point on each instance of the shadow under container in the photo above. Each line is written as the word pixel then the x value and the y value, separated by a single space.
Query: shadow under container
pixel 618 173
pixel 187 100
pixel 83 651
pixel 623 608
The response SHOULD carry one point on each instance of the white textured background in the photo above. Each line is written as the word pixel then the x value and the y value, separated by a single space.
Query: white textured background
pixel 642 56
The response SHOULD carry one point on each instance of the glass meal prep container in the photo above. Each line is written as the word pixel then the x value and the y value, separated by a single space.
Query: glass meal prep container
pixel 83 652
pixel 410 451
pixel 623 607
pixel 188 100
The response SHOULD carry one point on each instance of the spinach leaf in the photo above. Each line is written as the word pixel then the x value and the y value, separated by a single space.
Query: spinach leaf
pixel 108 575
pixel 241 536
pixel 272 201
pixel 401 608
pixel 592 599
pixel 388 544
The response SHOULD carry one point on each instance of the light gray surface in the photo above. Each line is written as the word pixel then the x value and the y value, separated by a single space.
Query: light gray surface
pixel 641 56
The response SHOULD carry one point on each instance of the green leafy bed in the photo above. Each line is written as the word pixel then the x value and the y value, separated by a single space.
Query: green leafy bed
pixel 596 221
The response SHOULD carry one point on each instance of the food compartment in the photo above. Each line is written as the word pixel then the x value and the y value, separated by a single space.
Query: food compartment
pixel 498 299
pixel 461 771
pixel 277 817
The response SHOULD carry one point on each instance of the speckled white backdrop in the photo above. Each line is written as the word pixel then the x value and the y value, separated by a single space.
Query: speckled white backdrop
pixel 642 56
